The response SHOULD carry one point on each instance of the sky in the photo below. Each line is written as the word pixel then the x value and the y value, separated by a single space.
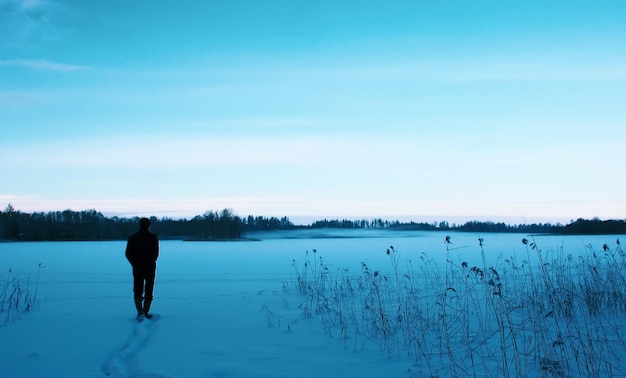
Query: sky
pixel 425 110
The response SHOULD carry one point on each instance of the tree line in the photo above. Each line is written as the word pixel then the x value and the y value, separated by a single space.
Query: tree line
pixel 93 225
pixel 225 225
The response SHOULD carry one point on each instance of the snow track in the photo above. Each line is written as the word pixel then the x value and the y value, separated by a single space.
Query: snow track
pixel 123 361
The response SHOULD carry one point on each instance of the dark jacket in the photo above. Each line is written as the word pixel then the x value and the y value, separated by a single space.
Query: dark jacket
pixel 142 250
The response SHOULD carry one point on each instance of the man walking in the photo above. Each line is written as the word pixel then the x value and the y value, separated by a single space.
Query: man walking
pixel 142 251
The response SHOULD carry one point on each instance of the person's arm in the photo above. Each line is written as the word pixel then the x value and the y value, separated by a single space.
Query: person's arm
pixel 156 251
pixel 129 252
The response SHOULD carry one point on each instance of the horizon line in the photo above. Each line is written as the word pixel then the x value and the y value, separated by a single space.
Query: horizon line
pixel 304 220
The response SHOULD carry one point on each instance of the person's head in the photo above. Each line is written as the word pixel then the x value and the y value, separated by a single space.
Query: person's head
pixel 144 224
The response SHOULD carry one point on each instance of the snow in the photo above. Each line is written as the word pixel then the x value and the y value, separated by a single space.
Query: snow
pixel 221 308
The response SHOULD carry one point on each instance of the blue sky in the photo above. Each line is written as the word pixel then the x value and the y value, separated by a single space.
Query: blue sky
pixel 429 110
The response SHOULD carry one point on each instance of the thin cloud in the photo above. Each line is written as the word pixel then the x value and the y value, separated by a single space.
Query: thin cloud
pixel 44 65
pixel 27 22
pixel 451 210
pixel 161 207
pixel 17 99
pixel 189 152
pixel 32 4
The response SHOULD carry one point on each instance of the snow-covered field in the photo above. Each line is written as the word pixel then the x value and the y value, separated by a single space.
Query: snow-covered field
pixel 239 309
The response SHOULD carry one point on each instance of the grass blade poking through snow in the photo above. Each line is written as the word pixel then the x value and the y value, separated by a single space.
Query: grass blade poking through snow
pixel 562 318
pixel 17 296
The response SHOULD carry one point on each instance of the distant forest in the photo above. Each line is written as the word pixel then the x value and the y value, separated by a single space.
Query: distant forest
pixel 224 225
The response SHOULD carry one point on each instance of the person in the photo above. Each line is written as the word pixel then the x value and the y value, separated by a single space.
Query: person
pixel 142 251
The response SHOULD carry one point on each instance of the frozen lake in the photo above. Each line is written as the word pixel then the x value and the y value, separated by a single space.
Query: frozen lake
pixel 222 307
pixel 269 259
pixel 68 268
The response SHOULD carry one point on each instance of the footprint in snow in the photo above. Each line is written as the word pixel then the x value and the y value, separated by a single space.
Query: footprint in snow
pixel 123 360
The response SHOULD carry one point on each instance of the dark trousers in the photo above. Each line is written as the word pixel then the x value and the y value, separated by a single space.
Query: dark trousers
pixel 143 283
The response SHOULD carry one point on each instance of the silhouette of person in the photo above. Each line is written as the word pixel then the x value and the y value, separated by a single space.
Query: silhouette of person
pixel 142 251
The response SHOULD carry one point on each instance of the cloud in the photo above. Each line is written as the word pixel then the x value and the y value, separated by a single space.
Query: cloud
pixel 40 64
pixel 170 207
pixel 26 21
pixel 17 99
pixel 451 210
pixel 176 152
pixel 32 4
